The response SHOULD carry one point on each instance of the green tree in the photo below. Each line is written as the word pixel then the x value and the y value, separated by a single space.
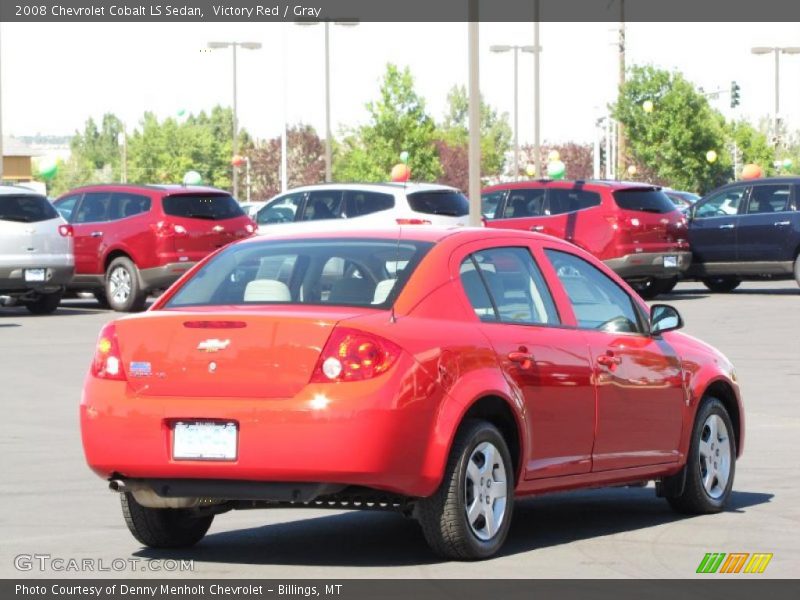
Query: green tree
pixel 751 146
pixel 495 130
pixel 671 142
pixel 397 122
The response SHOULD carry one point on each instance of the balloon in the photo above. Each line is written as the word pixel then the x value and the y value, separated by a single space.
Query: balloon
pixel 556 169
pixel 553 156
pixel 648 106
pixel 400 172
pixel 404 157
pixel 632 170
pixel 47 168
pixel 238 161
pixel 711 156
pixel 787 163
pixel 530 170
pixel 192 178
pixel 751 171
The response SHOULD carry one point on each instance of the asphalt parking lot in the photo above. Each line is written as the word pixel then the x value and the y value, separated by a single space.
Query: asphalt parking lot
pixel 50 503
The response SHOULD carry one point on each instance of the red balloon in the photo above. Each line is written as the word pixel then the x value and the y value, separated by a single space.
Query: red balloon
pixel 238 161
pixel 751 171
pixel 401 172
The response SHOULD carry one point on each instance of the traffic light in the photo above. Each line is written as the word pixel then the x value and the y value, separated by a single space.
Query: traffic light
pixel 735 101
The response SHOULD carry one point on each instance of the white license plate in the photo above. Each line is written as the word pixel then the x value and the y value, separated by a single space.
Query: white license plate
pixel 202 440
pixel 34 274
pixel 671 261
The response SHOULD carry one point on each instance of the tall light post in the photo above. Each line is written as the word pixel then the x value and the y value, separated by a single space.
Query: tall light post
pixel 234 46
pixel 1 110
pixel 328 136
pixel 777 51
pixel 516 49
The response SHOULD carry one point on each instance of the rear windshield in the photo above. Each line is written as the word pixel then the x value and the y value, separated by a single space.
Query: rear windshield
pixel 652 201
pixel 446 202
pixel 213 207
pixel 26 208
pixel 334 272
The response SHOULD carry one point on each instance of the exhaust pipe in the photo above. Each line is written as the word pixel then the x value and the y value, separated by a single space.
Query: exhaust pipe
pixel 144 495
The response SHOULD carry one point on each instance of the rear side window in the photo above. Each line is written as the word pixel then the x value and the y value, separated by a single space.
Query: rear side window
pixel 213 207
pixel 766 199
pixel 26 208
pixel 358 204
pixel 524 203
pixel 504 284
pixel 652 201
pixel 562 201
pixel 128 205
pixel 446 202
pixel 335 272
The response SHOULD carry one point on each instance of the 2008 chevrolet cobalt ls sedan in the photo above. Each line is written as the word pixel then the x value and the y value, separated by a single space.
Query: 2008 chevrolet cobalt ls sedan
pixel 438 372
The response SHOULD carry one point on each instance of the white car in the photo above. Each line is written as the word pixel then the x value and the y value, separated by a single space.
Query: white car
pixel 251 208
pixel 368 204
pixel 36 251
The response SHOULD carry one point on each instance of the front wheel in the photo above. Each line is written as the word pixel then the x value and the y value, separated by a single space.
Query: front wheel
pixel 469 516
pixel 44 304
pixel 722 285
pixel 163 527
pixel 711 464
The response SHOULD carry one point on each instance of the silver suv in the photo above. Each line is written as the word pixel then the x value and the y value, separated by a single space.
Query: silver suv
pixel 36 252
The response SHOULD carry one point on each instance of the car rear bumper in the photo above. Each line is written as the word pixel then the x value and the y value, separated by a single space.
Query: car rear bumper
pixel 163 276
pixel 371 437
pixel 12 279
pixel 650 264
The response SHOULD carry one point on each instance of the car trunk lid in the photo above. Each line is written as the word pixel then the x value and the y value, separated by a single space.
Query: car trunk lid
pixel 650 220
pixel 203 222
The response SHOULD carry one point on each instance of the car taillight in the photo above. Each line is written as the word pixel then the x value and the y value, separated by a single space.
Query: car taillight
pixel 413 222
pixel 165 228
pixel 352 355
pixel 66 230
pixel 250 227
pixel 107 362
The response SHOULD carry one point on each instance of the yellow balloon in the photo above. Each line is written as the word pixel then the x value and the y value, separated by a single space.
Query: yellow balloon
pixel 647 106
pixel 553 156
pixel 711 156
pixel 530 170
pixel 632 170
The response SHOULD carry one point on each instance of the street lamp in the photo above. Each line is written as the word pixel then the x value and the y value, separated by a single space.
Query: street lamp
pixel 777 51
pixel 352 23
pixel 499 49
pixel 234 45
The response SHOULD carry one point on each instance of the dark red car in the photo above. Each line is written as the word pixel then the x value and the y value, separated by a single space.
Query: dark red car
pixel 440 373
pixel 632 227
pixel 131 240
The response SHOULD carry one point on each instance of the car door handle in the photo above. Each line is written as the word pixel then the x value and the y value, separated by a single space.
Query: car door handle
pixel 728 226
pixel 96 234
pixel 523 358
pixel 782 223
pixel 537 228
pixel 608 360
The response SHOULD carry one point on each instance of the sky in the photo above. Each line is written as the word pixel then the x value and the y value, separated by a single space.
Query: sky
pixel 56 75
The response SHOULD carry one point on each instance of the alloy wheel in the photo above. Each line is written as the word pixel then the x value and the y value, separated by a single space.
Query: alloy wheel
pixel 715 456
pixel 120 285
pixel 485 491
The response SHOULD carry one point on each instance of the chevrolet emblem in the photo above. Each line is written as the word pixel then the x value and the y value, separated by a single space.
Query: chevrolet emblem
pixel 213 345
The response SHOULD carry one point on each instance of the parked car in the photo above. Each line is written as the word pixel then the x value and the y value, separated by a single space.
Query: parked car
pixel 368 204
pixel 131 240
pixel 746 230
pixel 251 208
pixel 36 256
pixel 438 372
pixel 683 200
pixel 633 227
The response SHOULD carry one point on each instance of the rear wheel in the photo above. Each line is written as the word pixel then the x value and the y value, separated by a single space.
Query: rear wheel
pixel 711 464
pixel 470 514
pixel 44 304
pixel 722 285
pixel 163 527
pixel 123 291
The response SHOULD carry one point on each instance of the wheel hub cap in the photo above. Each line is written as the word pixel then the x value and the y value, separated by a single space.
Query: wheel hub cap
pixel 485 491
pixel 715 456
pixel 120 284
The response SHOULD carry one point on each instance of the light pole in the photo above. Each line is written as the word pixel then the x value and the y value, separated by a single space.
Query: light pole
pixel 234 45
pixel 506 48
pixel 328 87
pixel 1 110
pixel 777 51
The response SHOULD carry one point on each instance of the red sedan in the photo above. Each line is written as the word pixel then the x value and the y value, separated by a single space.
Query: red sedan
pixel 438 372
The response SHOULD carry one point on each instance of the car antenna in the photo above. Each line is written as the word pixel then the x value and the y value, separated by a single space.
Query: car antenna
pixel 392 316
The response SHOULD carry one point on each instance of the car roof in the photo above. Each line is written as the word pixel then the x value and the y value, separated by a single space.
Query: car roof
pixel 410 187
pixel 17 190
pixel 174 188
pixel 609 184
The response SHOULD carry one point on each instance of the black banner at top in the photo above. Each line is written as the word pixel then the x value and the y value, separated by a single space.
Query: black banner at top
pixel 400 10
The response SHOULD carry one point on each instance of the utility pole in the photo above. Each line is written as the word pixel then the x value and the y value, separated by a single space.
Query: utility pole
pixel 620 129
pixel 474 190
pixel 1 110
pixel 537 148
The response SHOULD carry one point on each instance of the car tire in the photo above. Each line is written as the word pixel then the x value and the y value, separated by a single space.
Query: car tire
pixel 163 527
pixel 797 269
pixel 665 286
pixel 451 529
pixel 44 304
pixel 102 299
pixel 123 289
pixel 711 463
pixel 722 285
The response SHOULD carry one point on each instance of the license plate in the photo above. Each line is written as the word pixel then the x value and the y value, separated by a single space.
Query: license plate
pixel 199 440
pixel 34 274
pixel 671 261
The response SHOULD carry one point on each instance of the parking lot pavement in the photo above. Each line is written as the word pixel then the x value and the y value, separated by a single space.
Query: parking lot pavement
pixel 50 503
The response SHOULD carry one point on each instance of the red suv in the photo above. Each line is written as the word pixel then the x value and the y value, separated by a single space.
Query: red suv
pixel 634 228
pixel 131 240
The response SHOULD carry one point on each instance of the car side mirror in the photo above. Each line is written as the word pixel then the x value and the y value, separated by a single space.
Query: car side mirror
pixel 663 318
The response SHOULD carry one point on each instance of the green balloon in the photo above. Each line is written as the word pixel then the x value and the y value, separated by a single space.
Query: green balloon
pixel 556 169
pixel 47 169
pixel 192 178
pixel 787 163
pixel 404 157
pixel 181 112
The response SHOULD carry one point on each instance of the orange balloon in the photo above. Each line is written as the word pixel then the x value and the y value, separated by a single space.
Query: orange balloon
pixel 751 171
pixel 238 161
pixel 401 172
